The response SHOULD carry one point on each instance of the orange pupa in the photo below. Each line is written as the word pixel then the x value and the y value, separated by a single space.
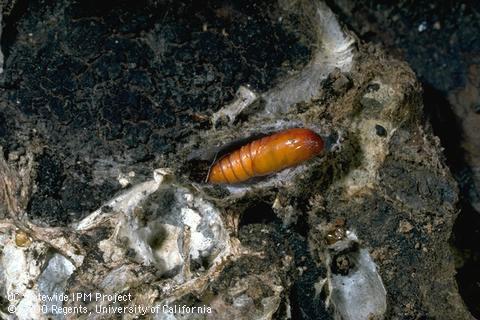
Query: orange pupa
pixel 267 155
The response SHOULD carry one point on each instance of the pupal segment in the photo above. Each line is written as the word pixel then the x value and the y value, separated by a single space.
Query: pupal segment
pixel 267 155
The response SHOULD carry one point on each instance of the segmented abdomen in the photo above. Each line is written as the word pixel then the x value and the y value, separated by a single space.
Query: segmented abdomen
pixel 267 155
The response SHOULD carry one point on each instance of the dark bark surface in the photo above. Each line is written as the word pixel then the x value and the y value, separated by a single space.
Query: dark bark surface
pixel 441 42
pixel 108 86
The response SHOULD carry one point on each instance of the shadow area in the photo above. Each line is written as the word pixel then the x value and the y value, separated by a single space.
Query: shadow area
pixel 465 237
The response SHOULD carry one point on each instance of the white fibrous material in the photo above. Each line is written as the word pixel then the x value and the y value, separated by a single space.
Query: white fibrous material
pixel 359 294
pixel 23 281
pixel 166 225
pixel 244 98
pixel 335 49
pixel 52 283
pixel 185 223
